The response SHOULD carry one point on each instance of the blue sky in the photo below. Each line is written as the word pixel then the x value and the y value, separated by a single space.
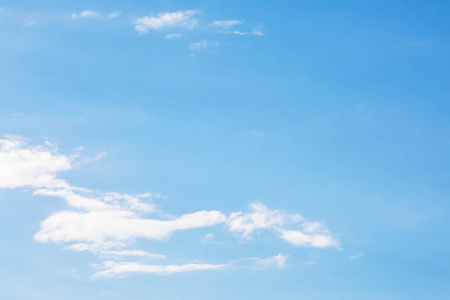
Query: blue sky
pixel 165 150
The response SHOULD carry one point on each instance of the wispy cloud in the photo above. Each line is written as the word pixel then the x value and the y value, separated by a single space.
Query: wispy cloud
pixel 182 19
pixel 226 23
pixel 253 32
pixel 355 256
pixel 312 234
pixel 173 35
pixel 315 240
pixel 86 14
pixel 203 45
pixel 259 218
pixel 118 269
pixel 118 225
pixel 278 260
pixel 107 223
pixel 114 14
pixel 257 133
pixel 28 23
pixel 104 250
pixel 308 263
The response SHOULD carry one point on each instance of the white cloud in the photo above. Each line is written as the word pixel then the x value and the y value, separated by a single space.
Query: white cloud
pixel 313 234
pixel 260 218
pixel 301 239
pixel 203 45
pixel 118 225
pixel 120 269
pixel 208 238
pixel 254 32
pixel 307 263
pixel 86 14
pixel 278 260
pixel 226 23
pixel 105 223
pixel 355 256
pixel 183 19
pixel 75 200
pixel 36 166
pixel 114 14
pixel 99 155
pixel 104 250
pixel 173 35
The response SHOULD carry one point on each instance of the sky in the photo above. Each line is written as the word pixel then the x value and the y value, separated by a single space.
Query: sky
pixel 162 150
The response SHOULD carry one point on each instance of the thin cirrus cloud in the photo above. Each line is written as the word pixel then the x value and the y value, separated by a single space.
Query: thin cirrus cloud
pixel 107 223
pixel 253 32
pixel 173 35
pixel 278 260
pixel 94 14
pixel 86 14
pixel 226 23
pixel 114 269
pixel 203 45
pixel 103 251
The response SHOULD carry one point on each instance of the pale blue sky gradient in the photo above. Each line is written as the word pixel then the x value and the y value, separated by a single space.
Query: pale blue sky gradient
pixel 339 112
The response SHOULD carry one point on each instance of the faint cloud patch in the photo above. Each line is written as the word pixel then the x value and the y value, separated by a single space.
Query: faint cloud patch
pixel 278 261
pixel 28 23
pixel 210 239
pixel 254 32
pixel 226 23
pixel 257 133
pixel 203 45
pixel 86 14
pixel 114 14
pixel 173 35
pixel 355 256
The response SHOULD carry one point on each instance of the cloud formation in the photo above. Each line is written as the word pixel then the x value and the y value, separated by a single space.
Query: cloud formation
pixel 181 19
pixel 86 14
pixel 278 260
pixel 311 234
pixel 114 269
pixel 35 166
pixel 118 225
pixel 107 223
pixel 203 45
pixel 226 23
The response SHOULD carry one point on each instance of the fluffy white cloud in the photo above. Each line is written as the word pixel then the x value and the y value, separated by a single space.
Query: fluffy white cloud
pixel 106 223
pixel 313 234
pixel 22 165
pixel 179 18
pixel 260 218
pixel 119 269
pixel 315 240
pixel 118 225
